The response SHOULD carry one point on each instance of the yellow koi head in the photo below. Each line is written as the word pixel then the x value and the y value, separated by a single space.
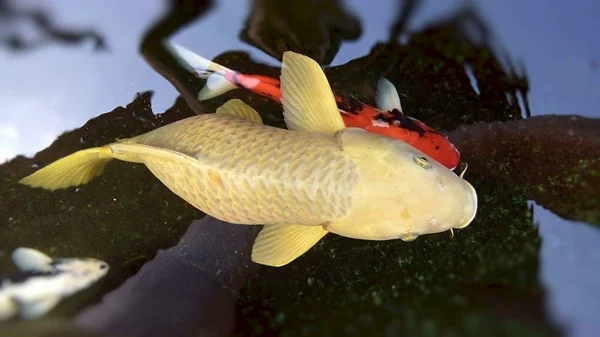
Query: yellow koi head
pixel 401 192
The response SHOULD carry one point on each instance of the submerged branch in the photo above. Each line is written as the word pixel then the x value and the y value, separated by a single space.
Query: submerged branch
pixel 554 160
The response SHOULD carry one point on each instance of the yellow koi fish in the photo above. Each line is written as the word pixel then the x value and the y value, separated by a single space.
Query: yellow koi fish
pixel 302 183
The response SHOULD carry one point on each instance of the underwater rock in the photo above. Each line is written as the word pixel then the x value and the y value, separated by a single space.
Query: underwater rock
pixel 553 160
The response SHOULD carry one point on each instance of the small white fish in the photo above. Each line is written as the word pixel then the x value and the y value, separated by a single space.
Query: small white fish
pixel 43 282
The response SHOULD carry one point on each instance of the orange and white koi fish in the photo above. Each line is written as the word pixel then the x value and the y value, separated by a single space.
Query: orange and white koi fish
pixel 386 119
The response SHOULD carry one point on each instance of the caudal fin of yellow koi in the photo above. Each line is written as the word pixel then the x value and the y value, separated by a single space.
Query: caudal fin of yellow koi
pixel 73 170
pixel 213 72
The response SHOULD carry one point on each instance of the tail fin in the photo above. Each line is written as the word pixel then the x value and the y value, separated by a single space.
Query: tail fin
pixel 213 72
pixel 73 170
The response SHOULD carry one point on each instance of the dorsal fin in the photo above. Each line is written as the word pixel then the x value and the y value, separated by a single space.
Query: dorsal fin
pixel 308 102
pixel 387 98
pixel 236 107
pixel 28 259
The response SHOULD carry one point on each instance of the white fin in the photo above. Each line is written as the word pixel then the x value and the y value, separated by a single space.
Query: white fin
pixel 39 308
pixel 308 102
pixel 193 61
pixel 238 108
pixel 216 84
pixel 278 245
pixel 8 308
pixel 387 96
pixel 28 259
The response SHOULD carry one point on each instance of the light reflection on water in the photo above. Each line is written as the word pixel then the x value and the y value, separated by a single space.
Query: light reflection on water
pixel 569 270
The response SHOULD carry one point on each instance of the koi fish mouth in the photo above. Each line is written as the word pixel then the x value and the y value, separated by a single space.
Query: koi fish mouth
pixel 470 207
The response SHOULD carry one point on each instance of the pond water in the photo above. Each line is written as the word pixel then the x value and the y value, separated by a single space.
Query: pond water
pixel 519 270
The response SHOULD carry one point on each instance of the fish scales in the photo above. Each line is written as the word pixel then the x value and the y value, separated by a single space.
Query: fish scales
pixel 352 182
pixel 254 173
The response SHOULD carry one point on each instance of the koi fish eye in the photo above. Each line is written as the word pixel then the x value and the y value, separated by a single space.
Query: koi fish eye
pixel 422 162
pixel 103 266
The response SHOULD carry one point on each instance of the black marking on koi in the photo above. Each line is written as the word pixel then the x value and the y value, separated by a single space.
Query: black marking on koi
pixel 396 113
pixel 350 104
pixel 398 119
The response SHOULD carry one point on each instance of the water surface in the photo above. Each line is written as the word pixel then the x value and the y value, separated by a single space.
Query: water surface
pixel 505 274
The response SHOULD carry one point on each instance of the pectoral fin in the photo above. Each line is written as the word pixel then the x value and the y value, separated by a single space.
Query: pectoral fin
pixel 238 108
pixel 29 259
pixel 39 308
pixel 278 245
pixel 387 96
pixel 308 102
